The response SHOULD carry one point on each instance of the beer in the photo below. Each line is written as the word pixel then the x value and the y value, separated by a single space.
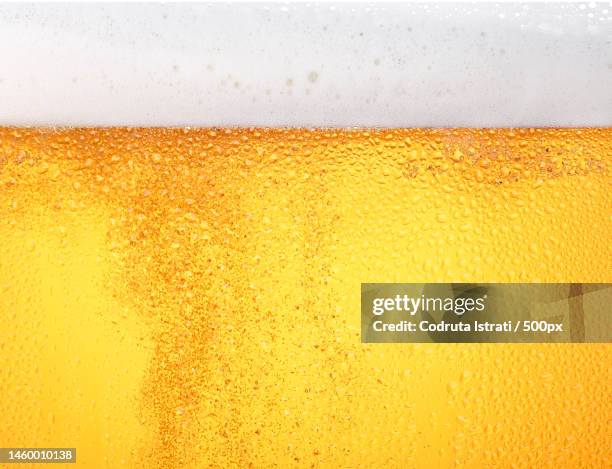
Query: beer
pixel 189 297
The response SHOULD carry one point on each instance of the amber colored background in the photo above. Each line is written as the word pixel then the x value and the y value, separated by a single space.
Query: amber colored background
pixel 186 298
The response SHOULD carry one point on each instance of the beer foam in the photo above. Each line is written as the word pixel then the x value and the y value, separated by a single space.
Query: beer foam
pixel 306 65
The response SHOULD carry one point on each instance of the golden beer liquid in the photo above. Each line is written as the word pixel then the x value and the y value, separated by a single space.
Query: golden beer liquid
pixel 187 298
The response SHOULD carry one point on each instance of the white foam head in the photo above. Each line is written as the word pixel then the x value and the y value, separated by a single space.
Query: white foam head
pixel 390 65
